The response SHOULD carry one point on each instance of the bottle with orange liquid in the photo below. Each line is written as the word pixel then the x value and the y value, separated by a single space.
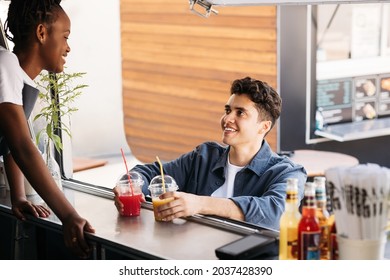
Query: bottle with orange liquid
pixel 288 236
pixel 322 215
pixel 309 231
pixel 333 248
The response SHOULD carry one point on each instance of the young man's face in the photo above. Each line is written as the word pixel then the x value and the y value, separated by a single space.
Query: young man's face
pixel 241 124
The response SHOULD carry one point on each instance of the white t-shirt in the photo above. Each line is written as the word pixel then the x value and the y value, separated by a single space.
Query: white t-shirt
pixel 12 78
pixel 16 87
pixel 226 190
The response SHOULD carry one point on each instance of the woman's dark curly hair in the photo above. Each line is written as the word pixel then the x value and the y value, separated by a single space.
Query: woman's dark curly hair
pixel 267 100
pixel 25 15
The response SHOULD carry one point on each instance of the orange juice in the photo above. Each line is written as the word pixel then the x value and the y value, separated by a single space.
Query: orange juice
pixel 157 202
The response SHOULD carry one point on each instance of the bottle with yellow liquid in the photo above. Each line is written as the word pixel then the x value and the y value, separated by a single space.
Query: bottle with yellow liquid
pixel 323 217
pixel 288 237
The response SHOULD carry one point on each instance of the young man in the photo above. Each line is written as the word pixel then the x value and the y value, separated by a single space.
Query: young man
pixel 243 180
pixel 39 30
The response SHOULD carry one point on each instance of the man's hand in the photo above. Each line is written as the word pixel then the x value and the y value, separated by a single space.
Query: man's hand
pixel 118 203
pixel 183 205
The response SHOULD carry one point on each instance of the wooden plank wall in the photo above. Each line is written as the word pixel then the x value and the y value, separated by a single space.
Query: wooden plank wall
pixel 177 69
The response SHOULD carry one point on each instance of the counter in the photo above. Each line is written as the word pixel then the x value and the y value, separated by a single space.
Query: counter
pixel 141 237
pixel 118 237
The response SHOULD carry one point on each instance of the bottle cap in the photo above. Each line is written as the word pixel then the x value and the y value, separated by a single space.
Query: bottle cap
pixel 320 189
pixel 292 189
pixel 309 199
pixel 292 184
pixel 309 189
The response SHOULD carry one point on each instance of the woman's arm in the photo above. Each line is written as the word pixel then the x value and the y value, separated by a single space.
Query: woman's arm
pixel 24 153
pixel 20 204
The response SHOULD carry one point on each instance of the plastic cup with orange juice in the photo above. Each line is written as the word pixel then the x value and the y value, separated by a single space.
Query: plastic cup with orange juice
pixel 157 187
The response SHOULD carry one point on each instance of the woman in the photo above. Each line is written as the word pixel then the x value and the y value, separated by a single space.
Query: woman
pixel 39 30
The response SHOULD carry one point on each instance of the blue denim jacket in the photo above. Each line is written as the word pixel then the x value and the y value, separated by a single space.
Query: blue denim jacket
pixel 259 188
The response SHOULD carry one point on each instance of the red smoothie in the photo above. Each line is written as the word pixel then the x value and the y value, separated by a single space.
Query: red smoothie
pixel 131 204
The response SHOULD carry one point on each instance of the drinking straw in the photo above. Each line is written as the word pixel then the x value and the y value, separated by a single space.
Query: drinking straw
pixel 162 173
pixel 127 172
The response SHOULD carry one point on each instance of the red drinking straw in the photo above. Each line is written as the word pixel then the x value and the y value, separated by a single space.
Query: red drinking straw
pixel 127 172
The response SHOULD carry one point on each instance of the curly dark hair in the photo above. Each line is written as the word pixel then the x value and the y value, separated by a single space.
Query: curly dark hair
pixel 267 100
pixel 25 15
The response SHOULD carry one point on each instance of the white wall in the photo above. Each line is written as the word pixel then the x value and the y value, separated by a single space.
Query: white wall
pixel 97 128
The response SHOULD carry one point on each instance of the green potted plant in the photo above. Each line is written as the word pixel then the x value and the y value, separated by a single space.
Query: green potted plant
pixel 57 95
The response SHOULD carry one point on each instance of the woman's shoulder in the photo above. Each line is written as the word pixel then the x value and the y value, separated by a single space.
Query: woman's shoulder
pixel 7 56
pixel 9 61
pixel 11 78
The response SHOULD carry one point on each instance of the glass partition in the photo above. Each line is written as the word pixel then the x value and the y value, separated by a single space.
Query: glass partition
pixel 351 66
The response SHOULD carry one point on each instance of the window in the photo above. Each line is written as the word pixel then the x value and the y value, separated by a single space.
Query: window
pixel 351 97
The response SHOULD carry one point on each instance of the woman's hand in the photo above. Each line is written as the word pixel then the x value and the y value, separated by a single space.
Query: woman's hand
pixel 74 227
pixel 20 207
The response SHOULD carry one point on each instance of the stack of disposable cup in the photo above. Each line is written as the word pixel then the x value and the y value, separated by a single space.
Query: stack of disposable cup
pixel 360 199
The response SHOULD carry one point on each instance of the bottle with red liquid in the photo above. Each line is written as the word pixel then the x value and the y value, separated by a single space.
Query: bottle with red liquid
pixel 309 231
